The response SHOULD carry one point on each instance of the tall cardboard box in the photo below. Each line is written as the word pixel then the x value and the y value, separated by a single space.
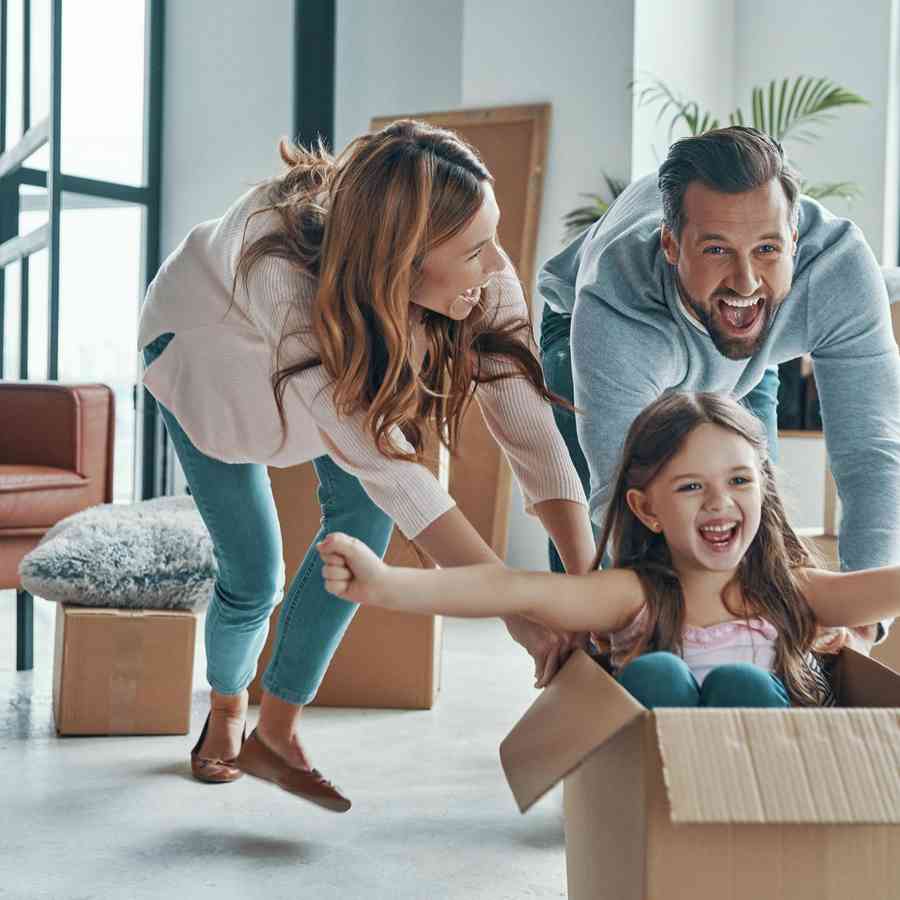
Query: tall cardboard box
pixel 122 671
pixel 718 804
pixel 387 659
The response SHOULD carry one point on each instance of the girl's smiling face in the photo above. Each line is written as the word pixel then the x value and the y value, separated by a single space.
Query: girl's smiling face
pixel 705 501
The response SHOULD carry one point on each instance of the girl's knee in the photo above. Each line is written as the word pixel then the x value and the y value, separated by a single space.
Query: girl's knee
pixel 657 665
pixel 742 685
pixel 659 679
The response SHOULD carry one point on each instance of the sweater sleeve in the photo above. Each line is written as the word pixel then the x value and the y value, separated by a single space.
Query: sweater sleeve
pixel 620 365
pixel 277 302
pixel 857 373
pixel 519 419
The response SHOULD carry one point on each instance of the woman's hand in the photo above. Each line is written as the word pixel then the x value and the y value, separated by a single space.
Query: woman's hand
pixel 549 649
pixel 352 571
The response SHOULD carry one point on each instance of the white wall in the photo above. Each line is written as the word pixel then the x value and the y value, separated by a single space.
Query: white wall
pixel 394 57
pixel 691 47
pixel 581 62
pixel 852 45
pixel 227 99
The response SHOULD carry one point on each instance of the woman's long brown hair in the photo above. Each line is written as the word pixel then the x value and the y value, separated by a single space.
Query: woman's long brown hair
pixel 767 575
pixel 362 223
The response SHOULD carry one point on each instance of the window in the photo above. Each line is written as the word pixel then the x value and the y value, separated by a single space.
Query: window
pixel 79 203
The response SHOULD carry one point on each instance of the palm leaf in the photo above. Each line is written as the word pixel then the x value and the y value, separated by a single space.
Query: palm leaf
pixel 797 110
pixel 687 113
pixel 578 219
pixel 847 190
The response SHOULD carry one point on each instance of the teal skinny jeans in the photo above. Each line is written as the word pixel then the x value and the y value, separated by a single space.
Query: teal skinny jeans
pixel 236 503
pixel 664 679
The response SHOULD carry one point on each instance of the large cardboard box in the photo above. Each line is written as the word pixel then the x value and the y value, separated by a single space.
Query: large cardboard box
pixel 120 671
pixel 718 804
pixel 387 659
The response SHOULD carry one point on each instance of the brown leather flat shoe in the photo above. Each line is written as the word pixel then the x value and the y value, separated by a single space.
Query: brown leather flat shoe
pixel 214 771
pixel 258 760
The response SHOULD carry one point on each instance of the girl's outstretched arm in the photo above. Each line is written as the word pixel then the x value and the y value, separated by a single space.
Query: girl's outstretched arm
pixel 599 601
pixel 852 598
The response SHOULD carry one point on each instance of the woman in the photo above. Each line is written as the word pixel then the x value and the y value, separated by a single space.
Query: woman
pixel 334 314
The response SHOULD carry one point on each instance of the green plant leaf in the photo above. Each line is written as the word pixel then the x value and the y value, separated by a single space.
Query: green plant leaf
pixel 847 190
pixel 810 105
pixel 686 113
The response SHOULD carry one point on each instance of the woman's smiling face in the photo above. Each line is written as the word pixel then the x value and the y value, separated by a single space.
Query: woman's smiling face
pixel 454 272
pixel 706 500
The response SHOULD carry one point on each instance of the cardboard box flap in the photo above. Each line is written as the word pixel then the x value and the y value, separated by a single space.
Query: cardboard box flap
pixel 860 680
pixel 577 712
pixel 765 765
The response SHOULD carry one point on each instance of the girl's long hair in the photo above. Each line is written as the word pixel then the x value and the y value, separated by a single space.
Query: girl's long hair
pixel 767 574
pixel 361 224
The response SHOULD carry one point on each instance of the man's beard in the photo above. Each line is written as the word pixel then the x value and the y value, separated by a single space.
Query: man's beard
pixel 729 347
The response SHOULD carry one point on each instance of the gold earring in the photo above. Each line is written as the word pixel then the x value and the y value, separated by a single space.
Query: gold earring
pixel 654 526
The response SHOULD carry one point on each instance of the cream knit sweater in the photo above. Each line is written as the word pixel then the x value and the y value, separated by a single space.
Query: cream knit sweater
pixel 215 376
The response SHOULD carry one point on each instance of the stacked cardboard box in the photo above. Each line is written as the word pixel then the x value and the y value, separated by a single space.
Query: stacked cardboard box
pixel 119 671
pixel 718 804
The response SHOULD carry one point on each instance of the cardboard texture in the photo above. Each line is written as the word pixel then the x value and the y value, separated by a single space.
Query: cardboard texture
pixel 118 671
pixel 718 804
pixel 386 660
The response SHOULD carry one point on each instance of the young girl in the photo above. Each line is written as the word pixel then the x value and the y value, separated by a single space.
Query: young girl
pixel 341 313
pixel 713 600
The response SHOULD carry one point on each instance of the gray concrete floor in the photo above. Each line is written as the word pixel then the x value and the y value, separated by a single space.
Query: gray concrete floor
pixel 120 817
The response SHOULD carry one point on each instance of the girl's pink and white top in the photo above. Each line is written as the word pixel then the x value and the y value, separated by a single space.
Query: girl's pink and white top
pixel 737 641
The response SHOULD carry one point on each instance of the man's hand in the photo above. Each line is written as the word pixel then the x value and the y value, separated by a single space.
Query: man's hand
pixel 862 639
pixel 549 649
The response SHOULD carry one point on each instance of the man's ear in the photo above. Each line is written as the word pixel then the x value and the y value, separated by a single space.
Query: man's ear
pixel 794 238
pixel 639 503
pixel 669 245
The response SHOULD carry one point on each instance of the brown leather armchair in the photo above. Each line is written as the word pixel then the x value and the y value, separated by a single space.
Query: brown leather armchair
pixel 56 458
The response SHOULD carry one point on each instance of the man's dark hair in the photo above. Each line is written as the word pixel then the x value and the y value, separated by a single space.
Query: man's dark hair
pixel 731 160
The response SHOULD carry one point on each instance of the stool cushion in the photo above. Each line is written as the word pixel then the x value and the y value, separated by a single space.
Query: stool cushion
pixel 155 554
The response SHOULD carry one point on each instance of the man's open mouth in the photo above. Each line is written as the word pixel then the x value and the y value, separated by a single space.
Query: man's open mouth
pixel 739 315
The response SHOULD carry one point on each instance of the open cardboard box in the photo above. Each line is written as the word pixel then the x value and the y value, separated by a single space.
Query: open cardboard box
pixel 718 804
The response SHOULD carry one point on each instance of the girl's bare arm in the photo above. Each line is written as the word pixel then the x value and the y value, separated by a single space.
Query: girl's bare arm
pixel 598 601
pixel 852 598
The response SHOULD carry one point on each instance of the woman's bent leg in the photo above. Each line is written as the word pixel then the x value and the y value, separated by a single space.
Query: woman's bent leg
pixel 236 503
pixel 743 685
pixel 312 621
pixel 660 679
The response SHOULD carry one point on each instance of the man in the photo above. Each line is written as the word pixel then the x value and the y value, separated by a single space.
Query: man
pixel 704 279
